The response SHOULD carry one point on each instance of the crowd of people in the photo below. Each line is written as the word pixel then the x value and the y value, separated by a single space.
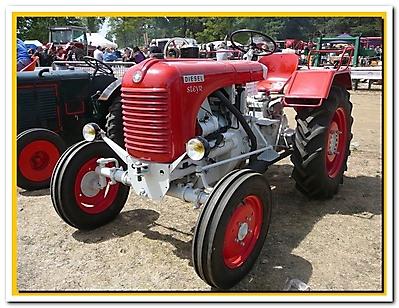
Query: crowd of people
pixel 134 54
pixel 46 56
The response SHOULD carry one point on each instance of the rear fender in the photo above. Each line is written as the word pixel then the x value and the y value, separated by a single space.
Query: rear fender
pixel 310 88
pixel 110 90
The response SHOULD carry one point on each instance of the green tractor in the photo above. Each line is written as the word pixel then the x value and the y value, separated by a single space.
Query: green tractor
pixel 52 108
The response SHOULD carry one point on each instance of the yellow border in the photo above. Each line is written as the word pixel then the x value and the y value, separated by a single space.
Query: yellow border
pixel 15 291
pixel 201 14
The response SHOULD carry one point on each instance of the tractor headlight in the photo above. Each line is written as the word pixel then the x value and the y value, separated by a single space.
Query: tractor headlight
pixel 137 76
pixel 91 131
pixel 197 148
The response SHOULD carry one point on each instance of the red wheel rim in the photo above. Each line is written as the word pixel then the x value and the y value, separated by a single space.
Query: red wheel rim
pixel 99 200
pixel 37 160
pixel 242 232
pixel 336 143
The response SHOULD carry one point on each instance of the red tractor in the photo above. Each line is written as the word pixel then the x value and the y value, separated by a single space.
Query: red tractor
pixel 68 36
pixel 205 131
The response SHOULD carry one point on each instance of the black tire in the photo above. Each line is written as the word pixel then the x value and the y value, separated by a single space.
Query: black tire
pixel 79 53
pixel 75 200
pixel 318 168
pixel 224 251
pixel 55 179
pixel 114 123
pixel 38 151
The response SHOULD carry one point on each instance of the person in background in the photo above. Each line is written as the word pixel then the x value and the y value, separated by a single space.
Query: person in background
pixel 153 46
pixel 23 57
pixel 378 53
pixel 138 55
pixel 60 55
pixel 127 56
pixel 31 52
pixel 98 54
pixel 47 57
pixel 109 56
pixel 172 53
pixel 71 56
pixel 146 51
pixel 40 54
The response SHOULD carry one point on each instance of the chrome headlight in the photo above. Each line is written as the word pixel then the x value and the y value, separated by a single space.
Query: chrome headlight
pixel 137 76
pixel 197 148
pixel 91 131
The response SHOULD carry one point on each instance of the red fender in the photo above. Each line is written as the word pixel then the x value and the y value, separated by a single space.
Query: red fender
pixel 308 88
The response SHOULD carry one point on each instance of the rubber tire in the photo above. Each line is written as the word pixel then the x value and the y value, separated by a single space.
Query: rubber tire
pixel 311 166
pixel 114 123
pixel 42 145
pixel 210 232
pixel 67 197
pixel 55 179
pixel 79 53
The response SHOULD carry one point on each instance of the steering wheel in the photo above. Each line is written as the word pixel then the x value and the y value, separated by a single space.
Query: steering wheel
pixel 259 49
pixel 98 66
pixel 175 47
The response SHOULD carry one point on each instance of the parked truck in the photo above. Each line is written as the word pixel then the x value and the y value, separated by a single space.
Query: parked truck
pixel 68 36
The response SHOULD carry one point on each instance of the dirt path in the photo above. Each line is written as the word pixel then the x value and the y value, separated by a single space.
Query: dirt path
pixel 333 245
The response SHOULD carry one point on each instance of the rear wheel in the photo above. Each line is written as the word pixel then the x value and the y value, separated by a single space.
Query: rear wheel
pixel 38 150
pixel 232 228
pixel 79 201
pixel 79 53
pixel 114 125
pixel 321 146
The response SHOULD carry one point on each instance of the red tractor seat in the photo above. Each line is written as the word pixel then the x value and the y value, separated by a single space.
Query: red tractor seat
pixel 31 66
pixel 280 67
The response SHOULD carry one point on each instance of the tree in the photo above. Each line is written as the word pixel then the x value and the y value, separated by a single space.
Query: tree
pixel 130 31
pixel 38 27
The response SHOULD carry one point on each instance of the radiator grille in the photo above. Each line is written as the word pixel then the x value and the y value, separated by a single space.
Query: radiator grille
pixel 38 110
pixel 146 120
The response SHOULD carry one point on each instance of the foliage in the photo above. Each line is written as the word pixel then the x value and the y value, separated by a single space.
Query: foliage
pixel 130 30
pixel 37 28
pixel 137 31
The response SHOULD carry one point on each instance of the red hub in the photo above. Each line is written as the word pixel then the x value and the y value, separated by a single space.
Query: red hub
pixel 336 143
pixel 89 196
pixel 37 160
pixel 242 232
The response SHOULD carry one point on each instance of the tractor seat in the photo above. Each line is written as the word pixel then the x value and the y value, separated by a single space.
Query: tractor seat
pixel 31 66
pixel 280 67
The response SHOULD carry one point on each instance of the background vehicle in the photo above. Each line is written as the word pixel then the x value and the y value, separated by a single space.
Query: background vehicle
pixel 198 130
pixel 176 42
pixel 67 36
pixel 52 107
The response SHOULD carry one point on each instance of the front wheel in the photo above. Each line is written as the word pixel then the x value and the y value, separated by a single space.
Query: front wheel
pixel 75 193
pixel 321 146
pixel 232 228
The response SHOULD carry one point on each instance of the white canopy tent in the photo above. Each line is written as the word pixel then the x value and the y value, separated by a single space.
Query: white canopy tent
pixel 97 40
pixel 32 44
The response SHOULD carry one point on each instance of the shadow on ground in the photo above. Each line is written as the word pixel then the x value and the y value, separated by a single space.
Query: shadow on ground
pixel 293 218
